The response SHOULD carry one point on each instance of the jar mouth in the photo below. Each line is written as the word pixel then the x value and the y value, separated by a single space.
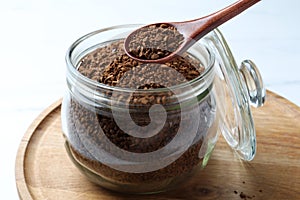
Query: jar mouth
pixel 73 60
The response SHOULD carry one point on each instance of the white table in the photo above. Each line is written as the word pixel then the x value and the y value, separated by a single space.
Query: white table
pixel 35 34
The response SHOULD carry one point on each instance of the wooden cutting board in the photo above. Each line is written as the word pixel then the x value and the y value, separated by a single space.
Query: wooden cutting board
pixel 44 171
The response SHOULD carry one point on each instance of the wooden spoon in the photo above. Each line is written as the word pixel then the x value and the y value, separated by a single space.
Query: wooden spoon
pixel 192 30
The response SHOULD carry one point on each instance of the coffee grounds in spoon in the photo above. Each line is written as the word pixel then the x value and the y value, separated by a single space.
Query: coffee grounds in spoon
pixel 154 42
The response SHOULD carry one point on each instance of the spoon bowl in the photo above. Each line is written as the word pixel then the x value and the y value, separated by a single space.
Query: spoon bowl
pixel 185 34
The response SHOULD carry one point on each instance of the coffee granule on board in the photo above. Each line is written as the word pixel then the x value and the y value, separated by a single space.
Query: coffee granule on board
pixel 110 65
pixel 244 196
pixel 154 42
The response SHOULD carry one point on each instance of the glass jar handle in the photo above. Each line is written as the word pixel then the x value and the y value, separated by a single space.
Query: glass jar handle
pixel 255 87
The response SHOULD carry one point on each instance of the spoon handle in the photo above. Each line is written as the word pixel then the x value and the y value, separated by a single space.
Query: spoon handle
pixel 212 21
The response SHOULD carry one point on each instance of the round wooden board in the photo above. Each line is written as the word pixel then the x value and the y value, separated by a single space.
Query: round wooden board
pixel 44 171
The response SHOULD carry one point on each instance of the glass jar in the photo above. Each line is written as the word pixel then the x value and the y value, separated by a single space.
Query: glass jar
pixel 136 140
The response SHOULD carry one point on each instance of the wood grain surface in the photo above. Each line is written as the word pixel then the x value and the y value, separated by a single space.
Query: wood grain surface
pixel 44 171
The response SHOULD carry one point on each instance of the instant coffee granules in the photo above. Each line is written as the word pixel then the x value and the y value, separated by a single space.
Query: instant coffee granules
pixel 101 140
pixel 154 42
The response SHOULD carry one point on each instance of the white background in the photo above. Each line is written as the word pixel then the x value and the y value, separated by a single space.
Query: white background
pixel 35 34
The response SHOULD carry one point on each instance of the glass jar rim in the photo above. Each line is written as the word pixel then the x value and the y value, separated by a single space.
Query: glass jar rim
pixel 71 66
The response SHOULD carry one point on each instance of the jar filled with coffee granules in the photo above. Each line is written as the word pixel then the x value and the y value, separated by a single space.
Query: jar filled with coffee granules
pixel 138 127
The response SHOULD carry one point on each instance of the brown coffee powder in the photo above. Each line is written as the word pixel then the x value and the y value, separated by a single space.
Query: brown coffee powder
pixel 110 65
